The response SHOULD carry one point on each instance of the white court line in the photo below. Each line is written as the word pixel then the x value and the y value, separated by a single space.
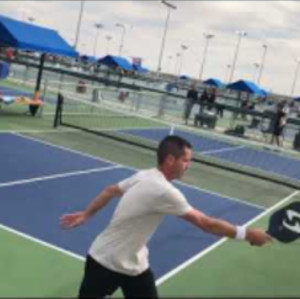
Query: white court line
pixel 64 148
pixel 221 241
pixel 136 129
pixel 43 243
pixel 121 165
pixel 56 176
pixel 61 130
pixel 224 149
pixel 221 195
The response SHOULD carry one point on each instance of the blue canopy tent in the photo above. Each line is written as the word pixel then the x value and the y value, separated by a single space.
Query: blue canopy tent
pixel 264 92
pixel 30 37
pixel 246 86
pixel 88 59
pixel 214 82
pixel 140 69
pixel 184 77
pixel 25 36
pixel 116 62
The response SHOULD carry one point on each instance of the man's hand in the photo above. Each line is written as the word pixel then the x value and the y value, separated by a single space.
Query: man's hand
pixel 257 237
pixel 73 220
pixel 102 199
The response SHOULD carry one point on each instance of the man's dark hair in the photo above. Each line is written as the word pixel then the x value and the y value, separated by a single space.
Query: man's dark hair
pixel 171 145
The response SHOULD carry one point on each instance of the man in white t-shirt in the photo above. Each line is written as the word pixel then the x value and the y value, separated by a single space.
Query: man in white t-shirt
pixel 119 257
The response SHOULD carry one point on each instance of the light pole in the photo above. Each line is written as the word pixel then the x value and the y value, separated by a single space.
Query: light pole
pixel 170 63
pixel 183 48
pixel 169 7
pixel 82 46
pixel 256 66
pixel 228 67
pixel 122 37
pixel 177 62
pixel 240 35
pixel 207 37
pixel 265 47
pixel 295 76
pixel 98 27
pixel 108 39
pixel 79 23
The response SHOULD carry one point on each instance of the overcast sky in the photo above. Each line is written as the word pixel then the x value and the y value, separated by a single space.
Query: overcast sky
pixel 273 23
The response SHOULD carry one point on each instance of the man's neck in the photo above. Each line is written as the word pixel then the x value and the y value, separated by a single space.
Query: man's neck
pixel 167 174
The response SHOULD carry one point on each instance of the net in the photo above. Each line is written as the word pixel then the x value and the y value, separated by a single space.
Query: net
pixel 226 116
pixel 143 118
pixel 112 113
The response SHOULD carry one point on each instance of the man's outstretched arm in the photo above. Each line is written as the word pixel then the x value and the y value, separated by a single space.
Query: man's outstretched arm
pixel 77 218
pixel 223 228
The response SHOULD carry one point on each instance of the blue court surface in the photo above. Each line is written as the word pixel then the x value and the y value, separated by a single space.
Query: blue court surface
pixel 21 160
pixel 40 182
pixel 264 160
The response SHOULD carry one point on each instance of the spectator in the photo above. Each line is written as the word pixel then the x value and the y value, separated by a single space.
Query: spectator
pixel 280 121
pixel 245 103
pixel 81 87
pixel 191 100
pixel 9 52
pixel 203 100
pixel 211 98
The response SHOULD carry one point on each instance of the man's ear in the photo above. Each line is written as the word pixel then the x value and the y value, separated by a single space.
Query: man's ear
pixel 170 159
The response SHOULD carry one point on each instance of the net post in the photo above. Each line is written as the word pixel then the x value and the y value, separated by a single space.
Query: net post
pixel 172 129
pixel 58 111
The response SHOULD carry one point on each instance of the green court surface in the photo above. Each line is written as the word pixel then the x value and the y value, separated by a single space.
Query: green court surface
pixel 29 268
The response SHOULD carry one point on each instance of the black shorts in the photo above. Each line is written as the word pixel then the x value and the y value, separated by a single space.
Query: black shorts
pixel 99 282
pixel 278 130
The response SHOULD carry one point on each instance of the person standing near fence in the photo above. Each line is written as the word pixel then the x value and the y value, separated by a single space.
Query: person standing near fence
pixel 211 98
pixel 191 100
pixel 203 100
pixel 279 123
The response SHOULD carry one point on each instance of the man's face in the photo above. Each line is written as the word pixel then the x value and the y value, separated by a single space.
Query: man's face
pixel 179 166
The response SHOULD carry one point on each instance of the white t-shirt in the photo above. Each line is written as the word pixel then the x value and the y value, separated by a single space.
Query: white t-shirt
pixel 148 196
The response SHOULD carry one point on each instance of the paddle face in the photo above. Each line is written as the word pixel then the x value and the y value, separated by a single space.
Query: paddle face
pixel 284 224
pixel 4 70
